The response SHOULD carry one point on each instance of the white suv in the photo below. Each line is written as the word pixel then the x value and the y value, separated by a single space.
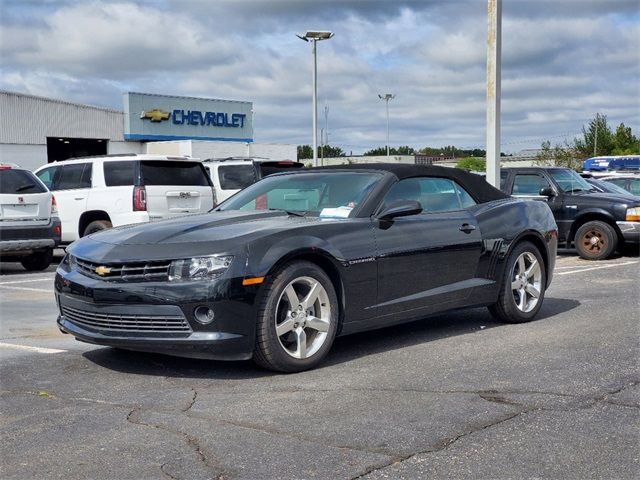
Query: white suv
pixel 95 193
pixel 231 174
pixel 29 223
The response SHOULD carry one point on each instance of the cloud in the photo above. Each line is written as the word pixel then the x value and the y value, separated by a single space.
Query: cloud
pixel 562 62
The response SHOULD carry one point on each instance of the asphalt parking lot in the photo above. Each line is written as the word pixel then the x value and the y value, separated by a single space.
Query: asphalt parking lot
pixel 452 396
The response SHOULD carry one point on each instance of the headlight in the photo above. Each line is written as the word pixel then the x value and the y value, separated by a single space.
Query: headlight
pixel 633 214
pixel 199 268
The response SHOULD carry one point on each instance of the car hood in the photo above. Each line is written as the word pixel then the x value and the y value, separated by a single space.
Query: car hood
pixel 210 227
pixel 216 232
pixel 605 197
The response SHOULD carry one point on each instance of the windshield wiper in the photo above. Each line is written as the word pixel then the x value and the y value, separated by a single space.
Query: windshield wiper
pixel 25 187
pixel 289 212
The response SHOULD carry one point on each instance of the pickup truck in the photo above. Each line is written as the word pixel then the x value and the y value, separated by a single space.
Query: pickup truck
pixel 597 224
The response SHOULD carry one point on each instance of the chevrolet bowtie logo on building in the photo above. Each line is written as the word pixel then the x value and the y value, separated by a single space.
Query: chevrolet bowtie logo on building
pixel 102 270
pixel 155 115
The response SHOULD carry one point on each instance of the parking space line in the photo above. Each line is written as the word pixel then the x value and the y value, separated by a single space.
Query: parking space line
pixel 31 349
pixel 596 268
pixel 27 289
pixel 31 280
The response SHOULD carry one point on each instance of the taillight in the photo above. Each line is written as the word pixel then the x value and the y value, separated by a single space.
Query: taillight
pixel 54 205
pixel 57 230
pixel 139 199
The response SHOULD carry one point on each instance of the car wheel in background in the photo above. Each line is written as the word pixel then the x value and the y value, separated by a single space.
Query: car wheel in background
pixel 523 285
pixel 96 226
pixel 595 240
pixel 38 261
pixel 297 319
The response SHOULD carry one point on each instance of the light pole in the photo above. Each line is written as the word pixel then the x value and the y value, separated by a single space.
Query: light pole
pixel 315 36
pixel 386 97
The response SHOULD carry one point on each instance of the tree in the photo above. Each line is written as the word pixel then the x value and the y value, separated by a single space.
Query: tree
pixel 474 164
pixel 330 152
pixel 597 138
pixel 305 151
pixel 382 151
pixel 559 156
pixel 625 142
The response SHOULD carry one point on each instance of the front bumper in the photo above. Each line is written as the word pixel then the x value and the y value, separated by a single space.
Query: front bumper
pixel 630 231
pixel 22 240
pixel 94 311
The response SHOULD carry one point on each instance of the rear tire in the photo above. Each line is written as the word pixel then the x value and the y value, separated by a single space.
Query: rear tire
pixel 595 240
pixel 297 319
pixel 38 261
pixel 523 285
pixel 96 226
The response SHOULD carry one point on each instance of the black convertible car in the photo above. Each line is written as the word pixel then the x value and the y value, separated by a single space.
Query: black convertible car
pixel 281 268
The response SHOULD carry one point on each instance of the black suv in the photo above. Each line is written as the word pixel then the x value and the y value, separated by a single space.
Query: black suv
pixel 596 223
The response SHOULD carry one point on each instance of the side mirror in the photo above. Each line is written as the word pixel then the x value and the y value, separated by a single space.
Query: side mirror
pixel 401 208
pixel 547 192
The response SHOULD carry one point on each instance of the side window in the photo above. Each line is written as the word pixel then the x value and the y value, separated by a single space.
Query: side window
pixel 465 199
pixel 118 174
pixel 74 176
pixel 434 194
pixel 634 186
pixel 46 176
pixel 503 179
pixel 528 184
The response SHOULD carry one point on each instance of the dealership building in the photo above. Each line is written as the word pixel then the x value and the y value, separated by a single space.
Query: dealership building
pixel 37 130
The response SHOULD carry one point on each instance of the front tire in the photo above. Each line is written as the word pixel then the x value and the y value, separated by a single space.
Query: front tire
pixel 96 226
pixel 297 319
pixel 38 261
pixel 523 285
pixel 595 240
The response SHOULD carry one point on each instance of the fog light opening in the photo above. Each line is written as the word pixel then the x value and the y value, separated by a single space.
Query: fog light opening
pixel 203 315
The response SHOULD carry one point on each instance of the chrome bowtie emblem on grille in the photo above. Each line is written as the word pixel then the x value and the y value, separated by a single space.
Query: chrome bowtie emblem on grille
pixel 185 195
pixel 102 270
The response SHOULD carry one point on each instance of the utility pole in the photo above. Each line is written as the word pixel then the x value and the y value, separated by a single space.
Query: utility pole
pixel 595 137
pixel 494 59
pixel 386 97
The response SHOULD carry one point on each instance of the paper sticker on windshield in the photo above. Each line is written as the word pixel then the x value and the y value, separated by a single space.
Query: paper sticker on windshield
pixel 339 212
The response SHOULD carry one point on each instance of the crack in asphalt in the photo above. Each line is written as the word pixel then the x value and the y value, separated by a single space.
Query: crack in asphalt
pixel 496 397
pixel 193 442
pixel 192 402
pixel 580 402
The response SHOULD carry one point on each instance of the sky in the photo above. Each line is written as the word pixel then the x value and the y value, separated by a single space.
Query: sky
pixel 562 61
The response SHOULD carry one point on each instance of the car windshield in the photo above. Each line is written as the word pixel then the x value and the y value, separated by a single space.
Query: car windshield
pixel 569 181
pixel 327 194
pixel 613 188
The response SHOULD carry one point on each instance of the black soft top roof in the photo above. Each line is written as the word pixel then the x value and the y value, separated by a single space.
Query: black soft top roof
pixel 474 184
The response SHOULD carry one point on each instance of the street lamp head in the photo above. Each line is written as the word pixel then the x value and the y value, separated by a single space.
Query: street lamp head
pixel 315 35
pixel 386 96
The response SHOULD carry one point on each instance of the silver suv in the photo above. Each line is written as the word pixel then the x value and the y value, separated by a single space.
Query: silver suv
pixel 29 223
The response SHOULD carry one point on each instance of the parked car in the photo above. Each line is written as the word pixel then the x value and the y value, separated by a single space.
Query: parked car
pixel 595 223
pixel 604 186
pixel 612 163
pixel 96 193
pixel 232 174
pixel 288 263
pixel 29 223
pixel 628 182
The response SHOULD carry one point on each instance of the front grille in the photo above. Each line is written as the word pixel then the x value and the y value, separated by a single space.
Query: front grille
pixel 125 272
pixel 115 322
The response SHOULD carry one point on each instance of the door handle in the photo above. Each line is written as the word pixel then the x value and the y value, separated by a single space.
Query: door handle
pixel 467 228
pixel 79 198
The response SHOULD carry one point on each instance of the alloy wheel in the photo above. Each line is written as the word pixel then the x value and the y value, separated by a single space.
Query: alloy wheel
pixel 302 318
pixel 526 282
pixel 593 241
